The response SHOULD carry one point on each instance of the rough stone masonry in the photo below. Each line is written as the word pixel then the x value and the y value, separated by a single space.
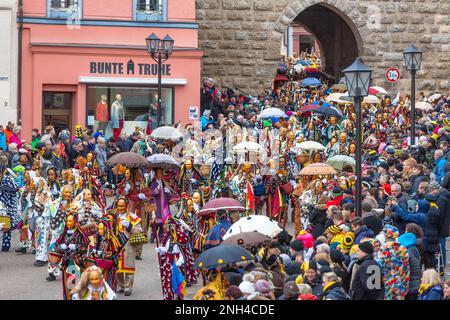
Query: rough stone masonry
pixel 242 39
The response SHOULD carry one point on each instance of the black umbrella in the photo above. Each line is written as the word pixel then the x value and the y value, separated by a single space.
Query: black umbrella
pixel 248 239
pixel 222 255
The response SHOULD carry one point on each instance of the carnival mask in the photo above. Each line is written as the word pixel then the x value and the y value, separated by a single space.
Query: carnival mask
pixel 190 205
pixel 121 206
pixel 70 222
pixel 87 195
pixel 95 279
pixel 67 192
pixel 196 197
pixel 101 229
pixel 89 157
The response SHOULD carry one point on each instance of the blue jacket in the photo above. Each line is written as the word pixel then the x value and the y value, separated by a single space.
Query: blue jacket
pixel 419 217
pixel 204 122
pixel 434 293
pixel 439 171
pixel 3 141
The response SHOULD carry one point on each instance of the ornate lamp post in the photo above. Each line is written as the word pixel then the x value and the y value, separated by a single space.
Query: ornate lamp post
pixel 413 59
pixel 160 51
pixel 357 77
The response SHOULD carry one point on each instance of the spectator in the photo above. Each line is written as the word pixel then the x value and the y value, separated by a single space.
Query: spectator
pixel 430 287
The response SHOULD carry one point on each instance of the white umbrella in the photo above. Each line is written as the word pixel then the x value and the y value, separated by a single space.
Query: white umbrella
pixel 335 97
pixel 164 161
pixel 311 146
pixel 166 133
pixel 272 112
pixel 371 99
pixel 247 146
pixel 422 105
pixel 258 223
pixel 340 161
pixel 434 97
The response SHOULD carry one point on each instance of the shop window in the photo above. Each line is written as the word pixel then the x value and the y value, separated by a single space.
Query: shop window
pixel 149 10
pixel 63 9
pixel 127 108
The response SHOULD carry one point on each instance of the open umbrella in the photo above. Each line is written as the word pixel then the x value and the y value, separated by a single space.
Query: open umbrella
pixel 166 133
pixel 247 146
pixel 371 99
pixel 248 239
pixel 377 90
pixel 315 169
pixel 229 204
pixel 434 97
pixel 339 86
pixel 340 161
pixel 311 82
pixel 128 159
pixel 423 105
pixel 305 63
pixel 328 110
pixel 311 146
pixel 272 112
pixel 163 161
pixel 221 256
pixel 335 97
pixel 258 223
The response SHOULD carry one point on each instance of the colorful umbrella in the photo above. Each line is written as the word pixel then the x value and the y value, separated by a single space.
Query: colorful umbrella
pixel 258 223
pixel 377 90
pixel 221 256
pixel 229 204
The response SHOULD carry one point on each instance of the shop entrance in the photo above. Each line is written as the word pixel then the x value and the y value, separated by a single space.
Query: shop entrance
pixel 57 110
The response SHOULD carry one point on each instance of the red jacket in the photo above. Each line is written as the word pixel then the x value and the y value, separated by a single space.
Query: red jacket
pixel 335 202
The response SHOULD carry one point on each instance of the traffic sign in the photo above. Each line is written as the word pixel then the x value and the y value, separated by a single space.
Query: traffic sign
pixel 392 74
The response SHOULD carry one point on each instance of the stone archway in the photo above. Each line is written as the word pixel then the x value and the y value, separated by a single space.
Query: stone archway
pixel 339 40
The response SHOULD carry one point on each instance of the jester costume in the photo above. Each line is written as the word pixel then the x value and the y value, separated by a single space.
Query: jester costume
pixel 9 197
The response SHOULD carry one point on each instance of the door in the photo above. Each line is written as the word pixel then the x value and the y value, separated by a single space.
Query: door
pixel 57 110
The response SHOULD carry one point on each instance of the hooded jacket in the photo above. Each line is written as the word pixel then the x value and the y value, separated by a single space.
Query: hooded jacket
pixel 409 241
pixel 419 217
pixel 363 269
pixel 363 232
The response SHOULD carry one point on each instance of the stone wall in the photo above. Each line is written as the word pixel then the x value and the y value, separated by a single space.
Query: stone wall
pixel 241 39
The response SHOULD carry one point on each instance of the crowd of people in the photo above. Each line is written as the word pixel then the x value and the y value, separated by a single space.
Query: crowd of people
pixel 87 219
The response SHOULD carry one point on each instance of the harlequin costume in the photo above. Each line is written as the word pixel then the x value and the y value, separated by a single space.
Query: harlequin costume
pixel 9 197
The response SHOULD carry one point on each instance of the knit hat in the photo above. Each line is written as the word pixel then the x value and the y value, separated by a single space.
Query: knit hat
pixel 267 124
pixel 336 256
pixel 77 141
pixel 299 279
pixel 390 232
pixel 262 286
pixel 64 136
pixel 347 242
pixel 310 265
pixel 334 230
pixel 297 245
pixel 366 247
pixel 399 167
pixel 247 287
pixel 290 289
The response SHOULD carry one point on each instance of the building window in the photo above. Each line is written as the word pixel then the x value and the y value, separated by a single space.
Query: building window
pixel 149 10
pixel 61 9
pixel 109 107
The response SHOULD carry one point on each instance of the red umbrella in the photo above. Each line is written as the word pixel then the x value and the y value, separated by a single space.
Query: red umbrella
pixel 222 204
pixel 309 107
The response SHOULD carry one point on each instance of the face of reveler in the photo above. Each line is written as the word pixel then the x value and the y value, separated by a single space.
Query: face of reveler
pixel 70 222
pixel 67 193
pixel 121 206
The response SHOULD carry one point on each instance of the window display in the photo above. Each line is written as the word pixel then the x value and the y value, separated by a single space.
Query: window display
pixel 117 110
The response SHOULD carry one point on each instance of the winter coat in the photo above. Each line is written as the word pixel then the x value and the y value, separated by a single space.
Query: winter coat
pixel 433 293
pixel 363 232
pixel 415 267
pixel 58 163
pixel 362 270
pixel 101 159
pixel 394 262
pixel 416 180
pixel 16 140
pixel 439 170
pixel 318 219
pixel 419 217
pixel 342 273
pixel 316 286
pixel 443 202
pixel 431 232
pixel 3 141
pixel 334 291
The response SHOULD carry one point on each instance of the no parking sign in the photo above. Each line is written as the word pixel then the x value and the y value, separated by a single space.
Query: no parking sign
pixel 392 74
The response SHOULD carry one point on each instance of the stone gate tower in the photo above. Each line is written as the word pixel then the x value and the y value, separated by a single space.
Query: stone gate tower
pixel 242 39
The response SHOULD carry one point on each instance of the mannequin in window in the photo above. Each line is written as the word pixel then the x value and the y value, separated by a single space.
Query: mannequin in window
pixel 117 116
pixel 102 113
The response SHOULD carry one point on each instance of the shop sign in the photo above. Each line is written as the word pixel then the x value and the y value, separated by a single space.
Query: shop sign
pixel 193 113
pixel 129 68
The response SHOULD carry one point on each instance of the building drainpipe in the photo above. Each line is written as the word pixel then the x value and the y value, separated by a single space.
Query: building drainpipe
pixel 19 65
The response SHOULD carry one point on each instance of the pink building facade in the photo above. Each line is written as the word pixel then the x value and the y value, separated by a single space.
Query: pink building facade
pixel 84 58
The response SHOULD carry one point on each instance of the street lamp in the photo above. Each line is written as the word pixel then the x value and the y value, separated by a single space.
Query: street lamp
pixel 160 51
pixel 413 59
pixel 357 78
